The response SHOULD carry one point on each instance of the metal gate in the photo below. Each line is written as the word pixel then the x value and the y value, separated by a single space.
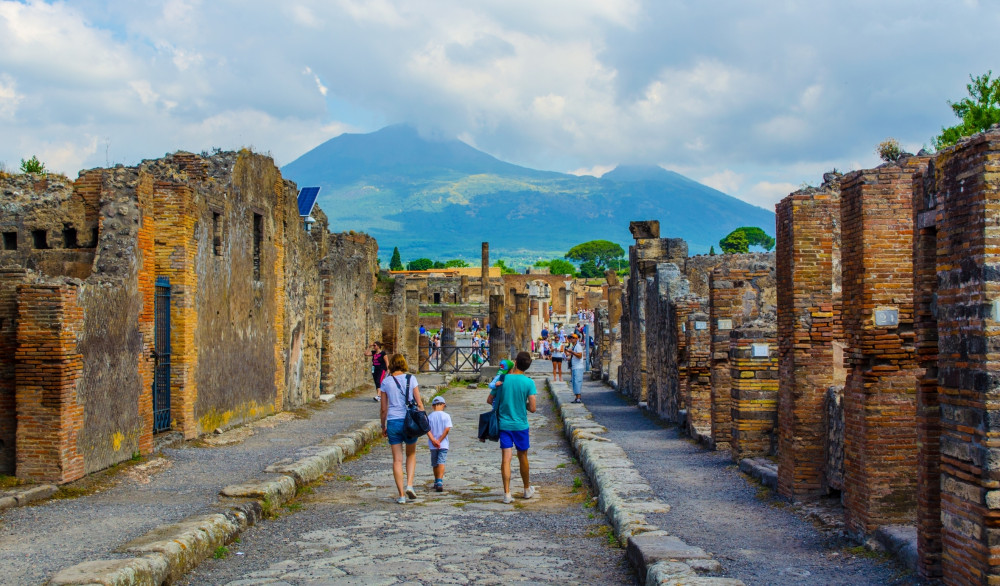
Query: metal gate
pixel 452 359
pixel 161 356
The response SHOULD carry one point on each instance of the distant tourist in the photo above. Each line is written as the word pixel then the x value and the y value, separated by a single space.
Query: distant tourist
pixel 379 366
pixel 461 326
pixel 557 358
pixel 576 364
pixel 437 440
pixel 545 333
pixel 397 389
pixel 423 330
pixel 516 399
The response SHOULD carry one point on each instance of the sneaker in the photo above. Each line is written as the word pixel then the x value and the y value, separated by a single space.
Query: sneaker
pixel 410 492
pixel 401 500
pixel 375 398
pixel 529 492
pixel 439 486
pixel 577 400
pixel 507 499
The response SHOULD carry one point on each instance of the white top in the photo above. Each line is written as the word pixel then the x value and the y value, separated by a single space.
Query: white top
pixel 578 363
pixel 397 404
pixel 439 421
pixel 557 349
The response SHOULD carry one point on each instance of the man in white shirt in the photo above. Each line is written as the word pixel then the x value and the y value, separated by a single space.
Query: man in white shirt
pixel 574 353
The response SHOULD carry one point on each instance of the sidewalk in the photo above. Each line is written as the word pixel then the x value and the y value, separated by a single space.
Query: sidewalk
pixel 713 507
pixel 39 540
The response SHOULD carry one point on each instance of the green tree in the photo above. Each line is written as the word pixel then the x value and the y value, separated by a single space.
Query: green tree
pixel 603 253
pixel 32 165
pixel 420 264
pixel 542 263
pixel 978 112
pixel 438 265
pixel 752 235
pixel 589 270
pixel 455 263
pixel 559 266
pixel 504 269
pixel 735 243
pixel 711 251
pixel 395 263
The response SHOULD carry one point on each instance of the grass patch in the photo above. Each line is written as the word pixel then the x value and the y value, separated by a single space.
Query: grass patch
pixel 293 507
pixel 267 508
pixel 365 450
pixel 71 492
pixel 345 478
pixel 9 481
pixel 221 552
pixel 577 484
pixel 590 504
pixel 305 489
pixel 863 552
pixel 562 465
pixel 440 391
pixel 459 505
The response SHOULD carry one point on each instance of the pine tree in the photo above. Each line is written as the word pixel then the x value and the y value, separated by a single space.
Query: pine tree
pixel 711 251
pixel 396 263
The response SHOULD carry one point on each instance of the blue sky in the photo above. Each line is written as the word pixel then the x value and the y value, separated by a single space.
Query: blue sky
pixel 752 97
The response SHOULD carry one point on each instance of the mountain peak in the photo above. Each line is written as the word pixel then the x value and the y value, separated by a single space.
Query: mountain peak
pixel 625 173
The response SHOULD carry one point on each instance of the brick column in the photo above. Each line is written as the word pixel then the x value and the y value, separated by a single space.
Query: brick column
pixel 48 367
pixel 521 333
pixel 809 301
pixel 449 355
pixel 698 347
pixel 961 196
pixel 880 394
pixel 485 267
pixel 498 337
pixel 10 278
pixel 753 358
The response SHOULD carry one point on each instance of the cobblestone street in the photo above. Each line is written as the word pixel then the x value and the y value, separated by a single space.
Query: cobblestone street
pixel 349 529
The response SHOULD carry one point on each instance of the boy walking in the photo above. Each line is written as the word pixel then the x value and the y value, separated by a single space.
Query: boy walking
pixel 517 398
pixel 437 440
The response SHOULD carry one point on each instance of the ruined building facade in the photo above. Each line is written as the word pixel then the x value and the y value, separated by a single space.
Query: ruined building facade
pixel 182 294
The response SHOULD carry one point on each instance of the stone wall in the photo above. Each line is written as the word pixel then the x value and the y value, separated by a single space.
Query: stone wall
pixel 753 359
pixel 697 361
pixel 663 395
pixel 810 331
pixel 10 278
pixel 833 438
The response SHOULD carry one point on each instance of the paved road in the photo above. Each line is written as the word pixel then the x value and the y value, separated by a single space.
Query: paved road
pixel 350 530
pixel 37 541
pixel 715 508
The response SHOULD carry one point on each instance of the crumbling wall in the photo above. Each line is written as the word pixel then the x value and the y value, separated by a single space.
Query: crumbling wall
pixel 833 438
pixel 743 289
pixel 880 393
pixel 10 278
pixel 662 343
pixel 956 203
pixel 698 367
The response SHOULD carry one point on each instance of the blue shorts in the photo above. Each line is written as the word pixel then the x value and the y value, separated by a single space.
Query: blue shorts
pixel 576 378
pixel 518 439
pixel 439 457
pixel 394 429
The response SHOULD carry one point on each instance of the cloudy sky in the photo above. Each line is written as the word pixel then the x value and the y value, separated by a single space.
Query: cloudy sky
pixel 751 97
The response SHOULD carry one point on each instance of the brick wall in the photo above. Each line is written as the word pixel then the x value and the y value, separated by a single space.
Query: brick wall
pixel 662 342
pixel 753 359
pixel 698 367
pixel 10 278
pixel 961 196
pixel 49 414
pixel 880 393
pixel 741 291
pixel 809 324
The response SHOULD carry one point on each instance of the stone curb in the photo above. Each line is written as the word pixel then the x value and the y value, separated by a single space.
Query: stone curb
pixel 765 471
pixel 24 497
pixel 167 552
pixel 625 497
pixel 901 542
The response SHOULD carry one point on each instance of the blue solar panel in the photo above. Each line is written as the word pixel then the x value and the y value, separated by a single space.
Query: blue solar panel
pixel 307 199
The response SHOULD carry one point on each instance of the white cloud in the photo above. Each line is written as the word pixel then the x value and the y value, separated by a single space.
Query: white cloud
pixel 766 194
pixel 595 171
pixel 9 98
pixel 725 181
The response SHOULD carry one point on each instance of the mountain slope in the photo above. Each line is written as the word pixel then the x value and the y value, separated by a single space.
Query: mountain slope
pixel 441 198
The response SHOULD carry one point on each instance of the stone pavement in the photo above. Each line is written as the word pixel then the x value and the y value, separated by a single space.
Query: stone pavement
pixel 350 530
pixel 39 540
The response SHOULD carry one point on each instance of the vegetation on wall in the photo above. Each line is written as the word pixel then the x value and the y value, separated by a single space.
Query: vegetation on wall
pixel 741 239
pixel 978 112
pixel 32 165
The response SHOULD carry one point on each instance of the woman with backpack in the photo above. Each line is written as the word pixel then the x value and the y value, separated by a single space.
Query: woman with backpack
pixel 398 389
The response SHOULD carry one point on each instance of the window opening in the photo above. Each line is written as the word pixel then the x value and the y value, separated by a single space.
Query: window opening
pixel 69 237
pixel 93 238
pixel 40 238
pixel 258 236
pixel 10 240
pixel 217 233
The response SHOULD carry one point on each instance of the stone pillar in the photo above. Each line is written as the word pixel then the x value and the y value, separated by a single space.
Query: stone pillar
pixel 753 357
pixel 411 331
pixel 521 332
pixel 809 307
pixel 958 414
pixel 425 353
pixel 463 289
pixel 569 301
pixel 498 338
pixel 48 368
pixel 10 278
pixel 614 325
pixel 880 448
pixel 449 354
pixel 486 272
pixel 535 328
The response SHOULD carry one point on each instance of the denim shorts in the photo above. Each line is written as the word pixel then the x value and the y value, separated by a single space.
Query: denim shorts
pixel 439 457
pixel 518 439
pixel 576 377
pixel 394 429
